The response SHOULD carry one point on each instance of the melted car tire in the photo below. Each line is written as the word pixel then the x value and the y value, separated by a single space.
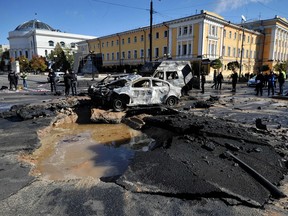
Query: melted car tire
pixel 171 101
pixel 118 104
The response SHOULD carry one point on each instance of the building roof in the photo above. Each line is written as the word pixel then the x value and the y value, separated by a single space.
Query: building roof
pixel 34 24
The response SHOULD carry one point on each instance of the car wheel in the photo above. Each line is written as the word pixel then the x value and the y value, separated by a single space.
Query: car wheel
pixel 172 101
pixel 118 104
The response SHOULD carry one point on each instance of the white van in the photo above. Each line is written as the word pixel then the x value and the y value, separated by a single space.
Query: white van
pixel 178 73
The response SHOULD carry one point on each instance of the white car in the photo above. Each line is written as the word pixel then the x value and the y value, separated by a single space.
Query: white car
pixel 252 82
pixel 59 76
pixel 141 91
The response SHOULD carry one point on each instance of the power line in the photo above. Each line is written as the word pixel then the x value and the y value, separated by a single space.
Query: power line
pixel 120 5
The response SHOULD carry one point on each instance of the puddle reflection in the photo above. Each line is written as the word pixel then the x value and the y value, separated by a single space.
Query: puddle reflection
pixel 96 150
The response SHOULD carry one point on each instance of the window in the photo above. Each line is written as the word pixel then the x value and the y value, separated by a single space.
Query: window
pixel 229 51
pixel 224 33
pixel 156 52
pixel 235 36
pixel 123 55
pixel 128 40
pixel 179 50
pixel 179 31
pixel 51 43
pixel 190 29
pixel 185 30
pixel 135 39
pixel 142 53
pixel 108 56
pixel 117 56
pixel 252 40
pixel 248 39
pixel 123 41
pixel 46 52
pixel 129 54
pixel 165 34
pixel 72 45
pixel 223 51
pixel 142 37
pixel 107 44
pixel 234 52
pixel 157 35
pixel 102 44
pixel 213 30
pixel 165 50
pixel 117 42
pixel 62 43
pixel 230 34
pixel 113 57
pixel 135 54
pixel 247 53
pixel 112 43
pixel 189 49
pixel 184 49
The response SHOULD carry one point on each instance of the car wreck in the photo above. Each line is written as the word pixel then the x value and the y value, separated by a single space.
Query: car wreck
pixel 134 90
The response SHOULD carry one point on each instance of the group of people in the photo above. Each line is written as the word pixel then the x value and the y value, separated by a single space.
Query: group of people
pixel 13 79
pixel 260 80
pixel 271 82
pixel 70 82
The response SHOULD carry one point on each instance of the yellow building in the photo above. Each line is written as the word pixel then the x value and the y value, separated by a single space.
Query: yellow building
pixel 195 38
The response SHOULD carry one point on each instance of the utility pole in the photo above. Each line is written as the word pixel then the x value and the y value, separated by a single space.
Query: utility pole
pixel 151 21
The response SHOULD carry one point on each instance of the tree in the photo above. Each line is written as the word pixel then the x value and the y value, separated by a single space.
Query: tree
pixel 234 64
pixel 280 66
pixel 38 63
pixel 59 59
pixel 24 63
pixel 216 64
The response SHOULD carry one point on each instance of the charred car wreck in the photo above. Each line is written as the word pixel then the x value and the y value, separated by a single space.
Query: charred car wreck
pixel 134 90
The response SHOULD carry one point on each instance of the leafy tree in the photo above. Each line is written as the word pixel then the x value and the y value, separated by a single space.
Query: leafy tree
pixel 59 59
pixel 216 64
pixel 38 63
pixel 234 64
pixel 264 68
pixel 280 66
pixel 24 63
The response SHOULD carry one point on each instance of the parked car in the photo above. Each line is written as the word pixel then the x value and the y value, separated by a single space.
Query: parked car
pixel 252 82
pixel 59 77
pixel 127 92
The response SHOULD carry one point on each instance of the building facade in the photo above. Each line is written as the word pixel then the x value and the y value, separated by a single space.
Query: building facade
pixel 202 36
pixel 37 38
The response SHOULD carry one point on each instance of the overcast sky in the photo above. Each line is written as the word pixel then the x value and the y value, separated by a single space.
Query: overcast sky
pixel 103 17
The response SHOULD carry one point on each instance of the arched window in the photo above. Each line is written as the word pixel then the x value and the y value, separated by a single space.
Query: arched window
pixel 51 43
pixel 62 44
pixel 73 45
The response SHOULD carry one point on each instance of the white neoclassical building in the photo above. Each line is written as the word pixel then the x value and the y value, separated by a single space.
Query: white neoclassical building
pixel 37 38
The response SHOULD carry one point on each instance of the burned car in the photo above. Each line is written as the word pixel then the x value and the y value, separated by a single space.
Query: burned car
pixel 135 91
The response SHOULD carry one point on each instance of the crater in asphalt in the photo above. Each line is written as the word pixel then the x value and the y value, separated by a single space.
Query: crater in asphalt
pixel 74 151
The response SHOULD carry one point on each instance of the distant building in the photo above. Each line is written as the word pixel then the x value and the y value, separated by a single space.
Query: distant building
pixel 37 38
pixel 4 47
pixel 200 37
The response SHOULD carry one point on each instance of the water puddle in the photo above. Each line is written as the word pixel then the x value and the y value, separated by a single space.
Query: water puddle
pixel 94 150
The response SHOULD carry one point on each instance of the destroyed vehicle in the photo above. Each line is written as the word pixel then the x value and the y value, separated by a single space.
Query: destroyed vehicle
pixel 112 77
pixel 178 73
pixel 141 91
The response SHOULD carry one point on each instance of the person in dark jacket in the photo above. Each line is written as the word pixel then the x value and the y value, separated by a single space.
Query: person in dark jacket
pixel 203 81
pixel 234 77
pixel 13 80
pixel 52 77
pixel 73 83
pixel 67 82
pixel 219 80
pixel 271 81
pixel 259 83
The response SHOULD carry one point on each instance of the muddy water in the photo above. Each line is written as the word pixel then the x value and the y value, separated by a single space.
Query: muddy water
pixel 74 151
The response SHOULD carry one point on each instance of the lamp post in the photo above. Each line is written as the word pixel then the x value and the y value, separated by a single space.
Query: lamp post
pixel 151 19
pixel 242 45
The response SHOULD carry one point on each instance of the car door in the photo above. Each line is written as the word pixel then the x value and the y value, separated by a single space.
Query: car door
pixel 160 90
pixel 141 92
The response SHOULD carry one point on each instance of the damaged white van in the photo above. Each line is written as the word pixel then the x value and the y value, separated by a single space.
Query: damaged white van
pixel 178 73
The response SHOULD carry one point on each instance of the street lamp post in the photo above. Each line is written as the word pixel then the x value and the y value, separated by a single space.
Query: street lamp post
pixel 151 20
pixel 242 45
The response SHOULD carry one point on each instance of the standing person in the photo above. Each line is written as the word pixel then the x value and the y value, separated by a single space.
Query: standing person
pixel 13 80
pixel 203 81
pixel 259 83
pixel 219 80
pixel 73 83
pixel 52 80
pixel 271 80
pixel 23 75
pixel 214 80
pixel 67 82
pixel 281 80
pixel 234 77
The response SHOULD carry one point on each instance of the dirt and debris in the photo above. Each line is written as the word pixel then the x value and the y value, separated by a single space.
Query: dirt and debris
pixel 188 166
